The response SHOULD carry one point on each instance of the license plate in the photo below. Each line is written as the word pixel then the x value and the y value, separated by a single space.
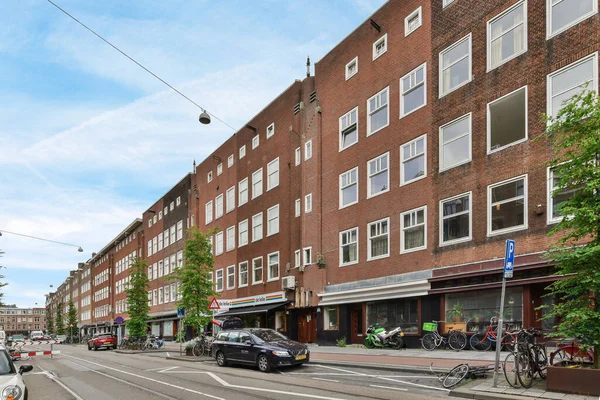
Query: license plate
pixel 401 333
pixel 302 357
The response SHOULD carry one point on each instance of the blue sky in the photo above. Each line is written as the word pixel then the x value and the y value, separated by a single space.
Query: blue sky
pixel 88 140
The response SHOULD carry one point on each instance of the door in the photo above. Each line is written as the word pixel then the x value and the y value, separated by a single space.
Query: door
pixel 537 293
pixel 302 327
pixel 356 325
pixel 248 352
pixel 307 326
pixel 312 328
pixel 233 350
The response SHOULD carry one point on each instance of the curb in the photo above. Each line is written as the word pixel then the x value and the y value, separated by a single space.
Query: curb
pixel 187 359
pixel 140 351
pixel 382 367
pixel 465 392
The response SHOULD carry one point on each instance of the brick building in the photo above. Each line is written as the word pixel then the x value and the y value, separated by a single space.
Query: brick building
pixel 14 320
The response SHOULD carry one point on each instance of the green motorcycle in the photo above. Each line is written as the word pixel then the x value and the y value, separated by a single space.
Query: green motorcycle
pixel 377 336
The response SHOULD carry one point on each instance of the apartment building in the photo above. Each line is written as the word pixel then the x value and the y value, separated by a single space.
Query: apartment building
pixel 15 320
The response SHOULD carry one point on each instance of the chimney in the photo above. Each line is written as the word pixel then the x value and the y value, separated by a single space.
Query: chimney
pixel 307 66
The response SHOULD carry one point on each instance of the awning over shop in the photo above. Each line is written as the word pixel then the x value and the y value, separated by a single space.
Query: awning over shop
pixel 398 291
pixel 251 310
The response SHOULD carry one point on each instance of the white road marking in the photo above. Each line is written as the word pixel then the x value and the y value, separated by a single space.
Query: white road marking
pixel 328 380
pixel 340 369
pixel 55 379
pixel 414 384
pixel 389 387
pixel 168 369
pixel 154 369
pixel 409 376
pixel 168 354
pixel 134 385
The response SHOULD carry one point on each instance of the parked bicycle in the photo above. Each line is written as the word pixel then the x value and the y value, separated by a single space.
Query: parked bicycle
pixel 510 362
pixel 153 343
pixel 483 341
pixel 456 340
pixel 457 374
pixel 203 346
pixel 531 358
pixel 571 352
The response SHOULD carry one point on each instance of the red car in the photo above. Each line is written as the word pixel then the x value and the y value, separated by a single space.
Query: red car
pixel 106 341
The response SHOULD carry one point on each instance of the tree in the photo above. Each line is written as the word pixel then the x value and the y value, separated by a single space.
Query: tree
pixel 196 287
pixel 72 320
pixel 575 137
pixel 137 300
pixel 50 320
pixel 59 322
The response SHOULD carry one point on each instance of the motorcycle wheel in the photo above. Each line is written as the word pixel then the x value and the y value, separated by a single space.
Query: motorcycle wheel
pixel 399 343
pixel 368 343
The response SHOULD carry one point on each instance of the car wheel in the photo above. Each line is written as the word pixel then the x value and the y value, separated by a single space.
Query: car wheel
pixel 221 360
pixel 263 363
pixel 89 347
pixel 95 348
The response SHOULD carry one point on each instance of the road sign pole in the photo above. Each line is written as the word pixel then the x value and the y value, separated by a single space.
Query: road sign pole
pixel 509 260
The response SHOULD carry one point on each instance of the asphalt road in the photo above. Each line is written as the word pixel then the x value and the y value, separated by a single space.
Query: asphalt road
pixel 81 374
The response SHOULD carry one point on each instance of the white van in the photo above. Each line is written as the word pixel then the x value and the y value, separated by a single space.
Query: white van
pixel 36 335
pixel 2 337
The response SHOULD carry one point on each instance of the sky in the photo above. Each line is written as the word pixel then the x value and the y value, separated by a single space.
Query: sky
pixel 88 140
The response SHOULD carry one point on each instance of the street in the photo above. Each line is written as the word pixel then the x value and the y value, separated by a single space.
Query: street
pixel 81 374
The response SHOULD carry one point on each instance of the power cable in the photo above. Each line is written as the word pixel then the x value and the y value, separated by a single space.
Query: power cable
pixel 39 238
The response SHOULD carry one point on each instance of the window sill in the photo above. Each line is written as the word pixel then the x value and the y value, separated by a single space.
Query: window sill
pixel 508 230
pixel 272 279
pixel 274 187
pixel 256 240
pixel 411 31
pixel 380 129
pixel 441 95
pixel 242 286
pixel 341 207
pixel 413 250
pixel 256 197
pixel 378 257
pixel 350 76
pixel 340 149
pixel 376 56
pixel 377 194
pixel 496 150
pixel 271 234
pixel 455 165
pixel 349 264
pixel 456 241
pixel 257 283
pixel 413 180
pixel 402 114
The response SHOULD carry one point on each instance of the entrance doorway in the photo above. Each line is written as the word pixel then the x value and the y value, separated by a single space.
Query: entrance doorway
pixel 356 324
pixel 307 326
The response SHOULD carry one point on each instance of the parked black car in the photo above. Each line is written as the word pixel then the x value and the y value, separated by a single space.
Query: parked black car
pixel 265 348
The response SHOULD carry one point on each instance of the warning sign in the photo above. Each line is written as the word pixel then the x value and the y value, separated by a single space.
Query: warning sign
pixel 214 304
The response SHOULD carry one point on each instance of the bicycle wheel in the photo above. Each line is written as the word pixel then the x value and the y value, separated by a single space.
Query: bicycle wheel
pixel 541 361
pixel 509 342
pixel 480 342
pixel 428 342
pixel 455 376
pixel 558 357
pixel 510 370
pixel 524 369
pixel 457 340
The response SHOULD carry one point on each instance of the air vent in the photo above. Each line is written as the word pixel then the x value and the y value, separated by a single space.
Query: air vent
pixel 312 97
pixel 297 108
pixel 288 283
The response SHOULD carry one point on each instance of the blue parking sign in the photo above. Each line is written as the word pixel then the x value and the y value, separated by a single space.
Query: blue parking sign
pixel 509 259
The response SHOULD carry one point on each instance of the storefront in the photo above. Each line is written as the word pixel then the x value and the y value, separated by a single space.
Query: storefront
pixel 164 323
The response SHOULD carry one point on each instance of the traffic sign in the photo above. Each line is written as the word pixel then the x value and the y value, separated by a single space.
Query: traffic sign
pixel 214 304
pixel 180 312
pixel 509 259
pixel 119 320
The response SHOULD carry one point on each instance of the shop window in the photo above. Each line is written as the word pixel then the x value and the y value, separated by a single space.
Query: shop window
pixel 391 314
pixel 330 319
pixel 280 321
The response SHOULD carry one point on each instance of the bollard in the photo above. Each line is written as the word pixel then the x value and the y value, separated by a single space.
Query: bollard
pixel 51 349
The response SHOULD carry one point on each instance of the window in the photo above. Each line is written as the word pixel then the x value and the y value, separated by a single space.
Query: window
pixel 298 156
pixel 160 213
pixel 307 150
pixel 243 272
pixel 455 142
pixel 231 238
pixel 270 130
pixel 298 207
pixel 172 232
pixel 349 247
pixel 308 203
pixel 209 212
pixel 273 266
pixel 455 66
pixel 378 112
pixel 150 272
pixel 507 206
pixel 273 220
pixel 349 129
pixel 160 295
pixel 379 239
pixel 231 277
pixel 413 21
pixel 166 210
pixel 380 47
pixel 349 188
pixel 413 90
pixel 563 14
pixel 257 270
pixel 167 265
pixel 257 186
pixel 446 3
pixel 273 174
pixel 219 280
pixel 219 206
pixel 242 152
pixel 455 214
pixel 398 312
pixel 571 80
pixel 413 230
pixel 209 177
pixel 413 165
pixel 243 233
pixel 507 36
pixel 149 248
pixel 330 318
pixel 155 219
pixel 173 292
pixel 255 141
pixel 243 192
pixel 219 243
pixel 155 244
pixel 219 169
pixel 230 161
pixel 378 181
pixel 230 199
pixel 307 253
pixel 556 200
pixel 166 292
pixel 507 120
pixel 257 227
pixel 180 230
pixel 297 258
pixel 352 68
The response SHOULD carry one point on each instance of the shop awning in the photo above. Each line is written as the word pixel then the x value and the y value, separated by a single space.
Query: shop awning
pixel 398 291
pixel 251 310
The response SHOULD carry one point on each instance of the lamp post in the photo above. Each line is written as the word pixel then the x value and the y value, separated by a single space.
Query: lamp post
pixel 71 332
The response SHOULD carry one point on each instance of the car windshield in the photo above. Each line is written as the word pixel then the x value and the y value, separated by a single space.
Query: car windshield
pixel 267 335
pixel 18 336
pixel 5 364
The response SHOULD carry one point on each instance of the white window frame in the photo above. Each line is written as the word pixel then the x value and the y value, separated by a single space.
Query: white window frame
pixel 402 160
pixel 441 71
pixel 403 92
pixel 243 184
pixel 441 221
pixel 272 169
pixel 230 161
pixel 217 280
pixel 298 156
pixel 441 141
pixel 230 238
pixel 341 195
pixel 297 258
pixel 308 203
pixel 549 204
pixel 489 121
pixel 403 250
pixel 446 3
pixel 219 209
pixel 307 260
pixel 491 67
pixel 369 258
pixel 208 206
pixel 369 195
pixel 219 169
pixel 269 218
pixel 341 250
pixel 269 278
pixel 230 201
pixel 257 182
pixel 308 150
pixel 219 243
pixel 271 128
pixel 369 111
pixel 347 69
pixel 262 269
pixel 418 12
pixel 525 205
pixel 376 43
pixel 231 274
pixel 240 284
pixel 209 177
pixel 179 230
pixel 341 129
pixel 255 141
pixel 298 207
pixel 550 34
pixel 242 152
pixel 241 224
pixel 257 237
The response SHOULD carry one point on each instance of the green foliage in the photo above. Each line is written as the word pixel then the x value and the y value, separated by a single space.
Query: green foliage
pixel 50 320
pixel 196 288
pixel 456 311
pixel 72 320
pixel 575 137
pixel 137 300
pixel 341 342
pixel 180 338
pixel 59 321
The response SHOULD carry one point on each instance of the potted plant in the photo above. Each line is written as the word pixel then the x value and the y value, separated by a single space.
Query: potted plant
pixel 455 313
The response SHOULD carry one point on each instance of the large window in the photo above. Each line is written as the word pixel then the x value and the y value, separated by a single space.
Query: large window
pixel 243 274
pixel 349 187
pixel 455 215
pixel 413 91
pixel 413 230
pixel 230 199
pixel 231 277
pixel 219 280
pixel 507 35
pixel 379 239
pixel 378 181
pixel 243 233
pixel 393 313
pixel 378 112
pixel 507 206
pixel 257 183
pixel 556 200
pixel 348 129
pixel 273 174
pixel 455 143
pixel 209 212
pixel 231 238
pixel 507 120
pixel 273 266
pixel 273 220
pixel 455 66
pixel 257 270
pixel 219 206
pixel 349 247
pixel 257 227
pixel 413 160
pixel 571 80
pixel 243 192
pixel 563 14
pixel 330 318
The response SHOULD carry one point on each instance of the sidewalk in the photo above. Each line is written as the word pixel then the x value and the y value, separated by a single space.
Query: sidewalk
pixel 483 390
